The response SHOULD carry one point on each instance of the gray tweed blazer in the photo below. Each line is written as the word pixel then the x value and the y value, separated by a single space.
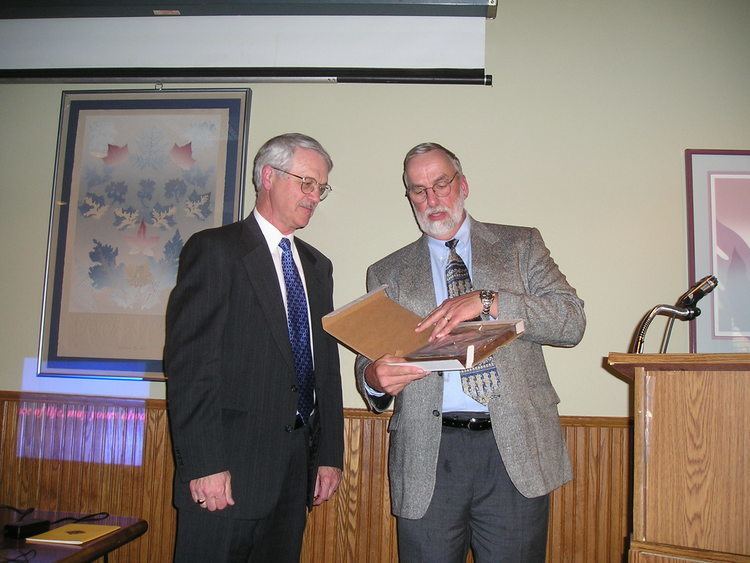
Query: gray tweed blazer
pixel 515 262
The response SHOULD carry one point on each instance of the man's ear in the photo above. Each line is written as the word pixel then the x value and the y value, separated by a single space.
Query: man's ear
pixel 464 186
pixel 265 177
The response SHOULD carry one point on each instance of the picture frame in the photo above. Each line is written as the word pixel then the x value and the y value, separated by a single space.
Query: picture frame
pixel 137 172
pixel 718 220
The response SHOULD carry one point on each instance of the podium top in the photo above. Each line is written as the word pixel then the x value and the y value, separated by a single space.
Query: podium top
pixel 626 363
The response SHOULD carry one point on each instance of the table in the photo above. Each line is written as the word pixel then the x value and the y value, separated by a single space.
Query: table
pixel 130 529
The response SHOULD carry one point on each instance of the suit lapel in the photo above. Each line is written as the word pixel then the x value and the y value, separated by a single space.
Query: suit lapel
pixel 316 298
pixel 416 277
pixel 262 274
pixel 487 257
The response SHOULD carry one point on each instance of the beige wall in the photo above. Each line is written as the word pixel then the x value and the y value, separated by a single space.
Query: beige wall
pixel 582 135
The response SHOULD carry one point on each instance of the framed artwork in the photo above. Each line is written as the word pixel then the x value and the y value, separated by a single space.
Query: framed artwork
pixel 718 213
pixel 137 173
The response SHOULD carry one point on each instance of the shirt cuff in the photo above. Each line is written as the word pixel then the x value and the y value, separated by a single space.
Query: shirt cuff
pixel 371 391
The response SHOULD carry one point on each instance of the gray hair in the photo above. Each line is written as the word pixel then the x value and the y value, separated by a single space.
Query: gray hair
pixel 424 148
pixel 278 152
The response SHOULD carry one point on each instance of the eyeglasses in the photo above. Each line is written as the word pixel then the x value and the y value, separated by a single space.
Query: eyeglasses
pixel 441 189
pixel 307 184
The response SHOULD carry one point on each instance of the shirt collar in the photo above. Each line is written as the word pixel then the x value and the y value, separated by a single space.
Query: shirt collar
pixel 463 235
pixel 272 235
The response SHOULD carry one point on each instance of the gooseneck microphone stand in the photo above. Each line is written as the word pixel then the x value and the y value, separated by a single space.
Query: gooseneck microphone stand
pixel 684 309
pixel 673 312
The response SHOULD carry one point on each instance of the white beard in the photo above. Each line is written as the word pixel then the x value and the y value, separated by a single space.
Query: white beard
pixel 440 229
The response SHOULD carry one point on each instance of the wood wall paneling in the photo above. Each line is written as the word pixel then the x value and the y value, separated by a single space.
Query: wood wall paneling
pixel 84 454
pixel 88 455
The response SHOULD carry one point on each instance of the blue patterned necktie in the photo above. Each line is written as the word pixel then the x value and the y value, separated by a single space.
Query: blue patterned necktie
pixel 299 330
pixel 479 381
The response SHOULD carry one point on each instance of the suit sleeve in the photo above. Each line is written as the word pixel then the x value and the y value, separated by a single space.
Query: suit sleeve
pixel 550 307
pixel 376 403
pixel 196 316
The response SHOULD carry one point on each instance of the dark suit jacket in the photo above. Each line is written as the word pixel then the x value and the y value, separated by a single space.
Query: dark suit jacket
pixel 231 385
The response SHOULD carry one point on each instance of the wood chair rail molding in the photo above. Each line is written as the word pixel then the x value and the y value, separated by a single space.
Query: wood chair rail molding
pixel 627 363
pixel 87 454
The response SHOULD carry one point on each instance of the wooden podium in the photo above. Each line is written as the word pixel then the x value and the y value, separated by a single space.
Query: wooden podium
pixel 691 474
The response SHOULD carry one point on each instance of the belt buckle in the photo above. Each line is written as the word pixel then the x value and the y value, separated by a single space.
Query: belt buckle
pixel 475 423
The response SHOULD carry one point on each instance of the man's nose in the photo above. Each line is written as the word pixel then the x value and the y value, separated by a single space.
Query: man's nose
pixel 314 194
pixel 432 197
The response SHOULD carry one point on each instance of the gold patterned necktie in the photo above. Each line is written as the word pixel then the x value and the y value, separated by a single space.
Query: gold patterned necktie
pixel 479 381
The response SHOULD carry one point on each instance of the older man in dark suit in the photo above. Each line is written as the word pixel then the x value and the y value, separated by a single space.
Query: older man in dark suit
pixel 254 388
pixel 473 454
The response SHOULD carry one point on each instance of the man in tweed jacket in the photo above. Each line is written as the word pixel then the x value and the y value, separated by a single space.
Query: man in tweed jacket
pixel 466 473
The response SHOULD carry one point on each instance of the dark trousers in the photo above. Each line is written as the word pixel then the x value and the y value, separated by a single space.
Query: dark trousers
pixel 475 505
pixel 215 536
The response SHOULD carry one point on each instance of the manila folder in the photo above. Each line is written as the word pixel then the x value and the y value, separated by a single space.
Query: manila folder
pixel 374 325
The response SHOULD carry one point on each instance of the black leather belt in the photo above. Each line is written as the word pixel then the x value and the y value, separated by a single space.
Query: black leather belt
pixel 469 423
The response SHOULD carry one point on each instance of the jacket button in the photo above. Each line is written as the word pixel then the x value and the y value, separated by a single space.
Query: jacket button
pixel 293 388
pixel 288 427
pixel 436 413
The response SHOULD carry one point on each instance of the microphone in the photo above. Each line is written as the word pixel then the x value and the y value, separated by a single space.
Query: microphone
pixel 697 292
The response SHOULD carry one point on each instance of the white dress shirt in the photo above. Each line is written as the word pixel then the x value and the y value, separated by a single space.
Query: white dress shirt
pixel 273 237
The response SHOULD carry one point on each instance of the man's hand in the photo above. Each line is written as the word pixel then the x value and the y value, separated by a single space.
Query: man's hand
pixel 386 378
pixel 326 483
pixel 451 312
pixel 213 492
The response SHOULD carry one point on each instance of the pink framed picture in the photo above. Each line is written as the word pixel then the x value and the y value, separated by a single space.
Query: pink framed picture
pixel 718 220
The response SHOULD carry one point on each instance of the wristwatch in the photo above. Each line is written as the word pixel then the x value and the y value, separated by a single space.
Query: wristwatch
pixel 486 297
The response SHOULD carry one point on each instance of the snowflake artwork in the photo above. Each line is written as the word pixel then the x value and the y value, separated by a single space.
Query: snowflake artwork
pixel 137 173
pixel 144 184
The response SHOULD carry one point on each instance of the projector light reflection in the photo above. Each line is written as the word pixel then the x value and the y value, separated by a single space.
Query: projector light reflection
pixel 89 432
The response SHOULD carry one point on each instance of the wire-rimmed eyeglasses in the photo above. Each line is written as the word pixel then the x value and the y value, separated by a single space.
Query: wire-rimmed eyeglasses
pixel 440 188
pixel 307 184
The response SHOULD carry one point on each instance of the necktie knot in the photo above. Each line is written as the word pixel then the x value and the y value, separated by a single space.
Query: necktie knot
pixel 285 245
pixel 456 272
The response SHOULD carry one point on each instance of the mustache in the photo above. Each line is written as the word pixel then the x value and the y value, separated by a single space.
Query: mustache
pixel 438 209
pixel 307 204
